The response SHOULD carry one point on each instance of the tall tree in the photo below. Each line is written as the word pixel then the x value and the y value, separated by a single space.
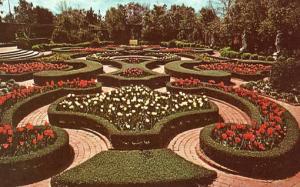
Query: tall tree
pixel 43 15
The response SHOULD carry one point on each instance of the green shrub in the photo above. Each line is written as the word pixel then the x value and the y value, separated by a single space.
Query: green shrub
pixel 172 44
pixel 270 58
pixel 262 58
pixel 245 56
pixel 284 74
pixel 254 57
pixel 148 168
pixel 60 36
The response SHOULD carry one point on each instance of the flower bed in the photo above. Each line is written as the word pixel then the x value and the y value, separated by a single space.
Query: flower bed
pixel 22 93
pixel 7 86
pixel 128 102
pixel 152 168
pixel 264 87
pixel 134 117
pixel 24 140
pixel 30 67
pixel 132 60
pixel 134 72
pixel 239 68
pixel 31 153
pixel 184 69
pixel 82 69
pixel 272 138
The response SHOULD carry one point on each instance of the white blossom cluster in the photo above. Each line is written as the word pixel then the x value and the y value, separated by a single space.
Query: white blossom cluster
pixel 134 108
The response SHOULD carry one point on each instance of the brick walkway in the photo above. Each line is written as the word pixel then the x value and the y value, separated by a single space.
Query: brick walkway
pixel 186 145
pixel 86 143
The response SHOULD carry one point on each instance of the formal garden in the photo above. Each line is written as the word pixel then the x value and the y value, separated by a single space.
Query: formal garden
pixel 150 96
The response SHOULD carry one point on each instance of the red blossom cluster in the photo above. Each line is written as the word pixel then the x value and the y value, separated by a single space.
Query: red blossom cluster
pixel 90 50
pixel 242 68
pixel 21 93
pixel 188 82
pixel 255 136
pixel 259 137
pixel 176 50
pixel 76 83
pixel 30 67
pixel 24 140
pixel 133 72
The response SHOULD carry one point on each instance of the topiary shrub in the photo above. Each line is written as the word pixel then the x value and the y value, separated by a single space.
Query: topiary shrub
pixel 284 74
pixel 245 56
pixel 172 44
pixel 254 57
pixel 269 58
pixel 261 58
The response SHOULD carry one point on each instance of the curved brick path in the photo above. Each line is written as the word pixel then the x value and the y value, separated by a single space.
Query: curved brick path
pixel 186 145
pixel 85 143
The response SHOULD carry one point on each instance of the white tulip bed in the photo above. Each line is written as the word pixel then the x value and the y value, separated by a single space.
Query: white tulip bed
pixel 134 108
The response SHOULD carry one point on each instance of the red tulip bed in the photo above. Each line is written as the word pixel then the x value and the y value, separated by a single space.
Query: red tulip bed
pixel 176 50
pixel 24 140
pixel 256 136
pixel 19 94
pixel 134 72
pixel 241 68
pixel 31 67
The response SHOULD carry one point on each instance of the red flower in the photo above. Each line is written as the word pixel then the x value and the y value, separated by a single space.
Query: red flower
pixel 237 140
pixel 34 141
pixel 5 146
pixel 29 126
pixel 10 139
pixel 224 136
pixel 40 137
pixel 270 131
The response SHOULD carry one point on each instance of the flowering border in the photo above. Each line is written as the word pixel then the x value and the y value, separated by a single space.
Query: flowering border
pixel 154 138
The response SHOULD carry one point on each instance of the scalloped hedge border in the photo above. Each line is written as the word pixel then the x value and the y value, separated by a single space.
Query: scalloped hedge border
pixel 184 69
pixel 21 109
pixel 82 69
pixel 21 169
pixel 157 137
pixel 247 77
pixel 154 80
pixel 257 163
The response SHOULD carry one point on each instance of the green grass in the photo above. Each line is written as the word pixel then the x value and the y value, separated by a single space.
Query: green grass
pixel 160 167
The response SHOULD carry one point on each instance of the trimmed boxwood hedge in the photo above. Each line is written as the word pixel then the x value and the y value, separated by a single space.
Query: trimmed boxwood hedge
pixel 24 169
pixel 264 163
pixel 114 79
pixel 21 109
pixel 250 109
pixel 246 77
pixel 151 168
pixel 156 137
pixel 184 69
pixel 274 163
pixel 82 69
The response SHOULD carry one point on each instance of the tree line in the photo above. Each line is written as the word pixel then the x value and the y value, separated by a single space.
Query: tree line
pixel 221 23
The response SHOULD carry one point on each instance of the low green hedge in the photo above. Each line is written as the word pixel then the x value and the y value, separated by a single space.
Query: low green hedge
pixel 47 47
pixel 156 137
pixel 184 69
pixel 83 69
pixel 24 169
pixel 114 79
pixel 21 109
pixel 246 77
pixel 243 104
pixel 151 168
pixel 273 163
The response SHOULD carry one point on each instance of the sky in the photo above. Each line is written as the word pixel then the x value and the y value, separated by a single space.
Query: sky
pixel 102 5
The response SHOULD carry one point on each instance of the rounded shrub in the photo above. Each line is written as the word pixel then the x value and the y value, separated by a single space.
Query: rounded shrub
pixel 246 56
pixel 254 57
